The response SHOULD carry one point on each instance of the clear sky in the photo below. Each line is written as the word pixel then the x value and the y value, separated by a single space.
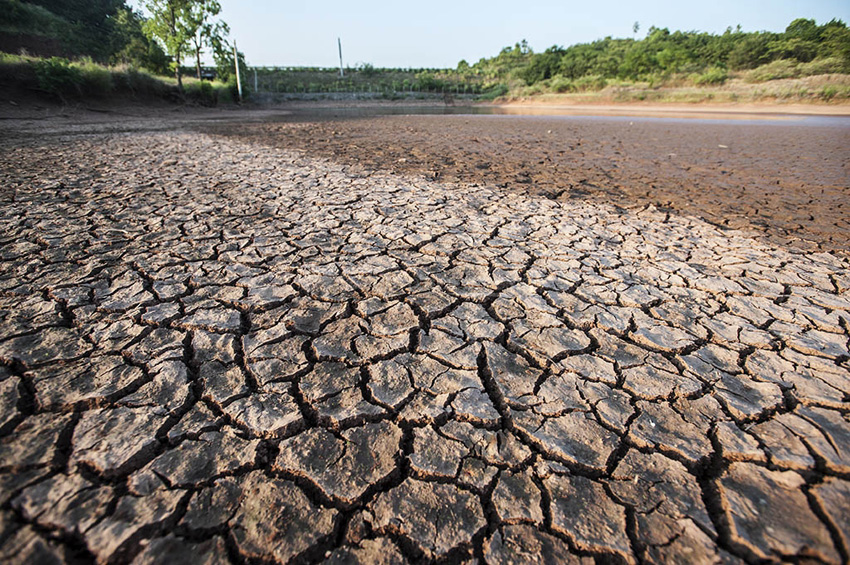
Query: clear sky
pixel 439 33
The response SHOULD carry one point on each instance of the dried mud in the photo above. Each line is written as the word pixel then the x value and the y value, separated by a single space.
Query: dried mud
pixel 215 350
pixel 789 182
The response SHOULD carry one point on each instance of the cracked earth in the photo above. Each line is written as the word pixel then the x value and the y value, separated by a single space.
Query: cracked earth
pixel 215 351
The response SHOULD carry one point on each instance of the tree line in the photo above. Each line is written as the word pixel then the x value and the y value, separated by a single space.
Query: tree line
pixel 663 53
pixel 163 40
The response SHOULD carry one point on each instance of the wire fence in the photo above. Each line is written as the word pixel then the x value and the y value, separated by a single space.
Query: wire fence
pixel 284 83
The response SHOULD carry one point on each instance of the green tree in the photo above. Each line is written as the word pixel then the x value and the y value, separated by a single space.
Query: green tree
pixel 203 31
pixel 132 47
pixel 836 42
pixel 92 22
pixel 167 25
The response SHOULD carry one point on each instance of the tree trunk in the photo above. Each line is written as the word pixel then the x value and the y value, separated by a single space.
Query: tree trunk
pixel 179 72
pixel 198 57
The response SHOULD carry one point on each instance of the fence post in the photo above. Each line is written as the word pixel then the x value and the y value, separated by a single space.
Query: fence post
pixel 238 78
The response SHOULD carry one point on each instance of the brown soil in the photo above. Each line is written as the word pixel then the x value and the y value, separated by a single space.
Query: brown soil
pixel 784 178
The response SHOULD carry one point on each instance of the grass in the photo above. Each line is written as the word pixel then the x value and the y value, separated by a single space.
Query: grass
pixel 84 79
pixel 782 69
pixel 22 17
pixel 366 78
pixel 713 85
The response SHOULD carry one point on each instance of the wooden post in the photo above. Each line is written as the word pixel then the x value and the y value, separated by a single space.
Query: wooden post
pixel 238 76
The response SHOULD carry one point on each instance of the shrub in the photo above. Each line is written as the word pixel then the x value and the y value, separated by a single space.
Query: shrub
pixel 58 77
pixel 532 90
pixel 828 92
pixel 831 65
pixel 24 17
pixel 139 82
pixel 590 82
pixel 201 92
pixel 782 68
pixel 95 80
pixel 561 84
pixel 494 92
pixel 714 76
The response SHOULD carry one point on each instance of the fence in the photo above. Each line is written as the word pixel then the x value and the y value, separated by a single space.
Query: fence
pixel 283 81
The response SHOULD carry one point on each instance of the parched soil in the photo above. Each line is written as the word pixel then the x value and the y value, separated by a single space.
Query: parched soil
pixel 215 350
pixel 789 181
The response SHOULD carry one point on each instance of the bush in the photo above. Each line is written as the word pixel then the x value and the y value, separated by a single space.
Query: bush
pixel 831 65
pixel 532 90
pixel 561 84
pixel 95 79
pixel 590 82
pixel 136 81
pixel 23 17
pixel 201 92
pixel 58 77
pixel 494 92
pixel 714 76
pixel 828 92
pixel 782 68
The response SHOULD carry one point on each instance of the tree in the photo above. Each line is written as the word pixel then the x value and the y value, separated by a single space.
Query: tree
pixel 167 25
pixel 132 47
pixel 636 28
pixel 91 22
pixel 203 32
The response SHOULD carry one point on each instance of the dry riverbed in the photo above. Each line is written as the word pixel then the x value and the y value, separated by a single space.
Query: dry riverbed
pixel 229 344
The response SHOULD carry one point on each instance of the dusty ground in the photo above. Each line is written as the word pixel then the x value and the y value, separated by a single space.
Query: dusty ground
pixel 789 181
pixel 217 350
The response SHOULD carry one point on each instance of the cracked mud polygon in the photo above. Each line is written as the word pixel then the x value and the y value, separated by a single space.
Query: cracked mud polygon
pixel 215 350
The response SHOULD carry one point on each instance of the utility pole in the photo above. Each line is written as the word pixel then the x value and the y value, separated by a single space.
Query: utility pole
pixel 238 77
pixel 341 72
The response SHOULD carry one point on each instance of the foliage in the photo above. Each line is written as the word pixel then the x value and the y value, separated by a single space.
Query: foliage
pixel 132 47
pixel 21 17
pixel 202 31
pixel 166 26
pixel 225 69
pixel 85 79
pixel 712 76
pixel 496 91
pixel 782 68
pixel 663 54
pixel 90 23
pixel 96 80
pixel 367 69
pixel 107 32
pixel 830 65
pixel 56 76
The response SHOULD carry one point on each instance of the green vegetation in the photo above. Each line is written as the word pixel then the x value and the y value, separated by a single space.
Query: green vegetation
pixel 85 79
pixel 86 48
pixel 186 26
pixel 615 69
pixel 665 58
pixel 107 31
pixel 366 78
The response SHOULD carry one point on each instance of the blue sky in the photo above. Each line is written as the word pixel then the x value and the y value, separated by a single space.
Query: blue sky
pixel 439 33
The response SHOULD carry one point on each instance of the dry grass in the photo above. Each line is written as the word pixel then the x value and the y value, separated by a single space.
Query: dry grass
pixel 832 88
